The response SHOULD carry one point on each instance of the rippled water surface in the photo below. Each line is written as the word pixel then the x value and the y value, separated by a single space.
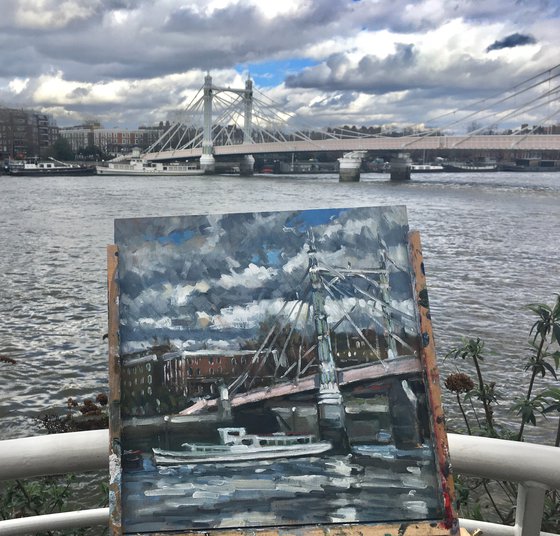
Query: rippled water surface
pixel 490 245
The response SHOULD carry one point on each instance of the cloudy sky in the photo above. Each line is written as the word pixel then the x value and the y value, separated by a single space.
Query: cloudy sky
pixel 333 62
pixel 210 281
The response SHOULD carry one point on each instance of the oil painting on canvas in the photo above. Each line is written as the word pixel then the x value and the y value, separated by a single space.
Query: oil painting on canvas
pixel 270 372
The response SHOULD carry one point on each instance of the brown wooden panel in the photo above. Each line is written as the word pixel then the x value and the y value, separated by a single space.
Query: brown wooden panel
pixel 114 391
pixel 393 529
pixel 429 363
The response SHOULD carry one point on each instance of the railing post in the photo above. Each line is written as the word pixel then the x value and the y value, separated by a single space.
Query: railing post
pixel 530 505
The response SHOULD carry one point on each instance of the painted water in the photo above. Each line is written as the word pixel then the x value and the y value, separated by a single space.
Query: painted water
pixel 490 245
pixel 388 485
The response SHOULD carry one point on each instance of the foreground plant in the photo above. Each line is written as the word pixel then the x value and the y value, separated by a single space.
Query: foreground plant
pixel 460 383
pixel 546 334
pixel 472 349
pixel 476 496
pixel 550 400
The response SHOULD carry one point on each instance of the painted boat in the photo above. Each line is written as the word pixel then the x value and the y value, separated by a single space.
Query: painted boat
pixel 238 446
pixel 39 167
pixel 139 166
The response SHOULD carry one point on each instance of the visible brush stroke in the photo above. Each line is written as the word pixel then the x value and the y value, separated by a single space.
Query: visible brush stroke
pixel 270 372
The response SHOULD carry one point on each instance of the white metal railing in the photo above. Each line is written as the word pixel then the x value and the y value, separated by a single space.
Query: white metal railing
pixel 535 468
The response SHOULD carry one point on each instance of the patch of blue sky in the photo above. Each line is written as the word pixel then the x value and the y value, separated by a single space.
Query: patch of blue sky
pixel 273 73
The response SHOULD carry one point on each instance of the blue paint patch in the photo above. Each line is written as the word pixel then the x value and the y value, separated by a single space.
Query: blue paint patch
pixel 176 237
pixel 273 256
pixel 303 221
pixel 273 73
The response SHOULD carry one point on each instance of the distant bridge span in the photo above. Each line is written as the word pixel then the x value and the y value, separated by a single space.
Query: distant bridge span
pixel 530 142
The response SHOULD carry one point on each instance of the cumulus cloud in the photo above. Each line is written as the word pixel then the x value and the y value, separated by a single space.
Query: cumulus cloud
pixel 52 14
pixel 138 62
pixel 252 276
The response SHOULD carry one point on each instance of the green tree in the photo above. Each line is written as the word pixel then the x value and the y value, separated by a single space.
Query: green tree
pixel 92 152
pixel 61 150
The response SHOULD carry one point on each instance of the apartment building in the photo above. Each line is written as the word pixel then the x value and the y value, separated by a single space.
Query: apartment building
pixel 25 133
pixel 110 140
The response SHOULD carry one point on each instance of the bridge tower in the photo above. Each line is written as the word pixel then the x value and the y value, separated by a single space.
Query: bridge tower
pixel 329 400
pixel 207 161
pixel 247 164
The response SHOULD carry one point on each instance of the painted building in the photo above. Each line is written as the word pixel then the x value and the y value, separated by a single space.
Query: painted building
pixel 155 383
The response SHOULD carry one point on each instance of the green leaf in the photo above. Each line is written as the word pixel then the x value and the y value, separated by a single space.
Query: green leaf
pixel 556 309
pixel 556 333
pixel 550 368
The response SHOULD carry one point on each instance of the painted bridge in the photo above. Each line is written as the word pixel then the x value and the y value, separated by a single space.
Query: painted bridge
pixel 374 371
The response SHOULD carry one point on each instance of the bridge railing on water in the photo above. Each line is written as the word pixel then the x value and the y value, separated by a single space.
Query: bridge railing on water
pixel 535 468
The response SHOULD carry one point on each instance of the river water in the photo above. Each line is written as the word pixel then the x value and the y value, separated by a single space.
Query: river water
pixel 490 245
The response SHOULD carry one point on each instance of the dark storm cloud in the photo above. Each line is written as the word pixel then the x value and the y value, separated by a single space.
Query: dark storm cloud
pixel 511 41
pixel 336 101
pixel 401 71
pixel 147 39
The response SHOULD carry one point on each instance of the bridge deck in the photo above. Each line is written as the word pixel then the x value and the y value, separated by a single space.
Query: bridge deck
pixel 373 371
pixel 403 143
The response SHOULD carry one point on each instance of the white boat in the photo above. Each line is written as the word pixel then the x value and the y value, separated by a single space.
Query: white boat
pixel 425 168
pixel 35 166
pixel 140 166
pixel 236 445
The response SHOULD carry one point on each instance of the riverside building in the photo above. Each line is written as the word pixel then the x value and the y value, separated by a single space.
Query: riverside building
pixel 112 141
pixel 25 133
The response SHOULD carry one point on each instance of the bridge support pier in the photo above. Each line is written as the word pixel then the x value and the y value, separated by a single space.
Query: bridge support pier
pixel 400 167
pixel 208 163
pixel 246 165
pixel 404 415
pixel 350 163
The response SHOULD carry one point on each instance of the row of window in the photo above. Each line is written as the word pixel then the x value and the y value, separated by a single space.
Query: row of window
pixel 138 381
